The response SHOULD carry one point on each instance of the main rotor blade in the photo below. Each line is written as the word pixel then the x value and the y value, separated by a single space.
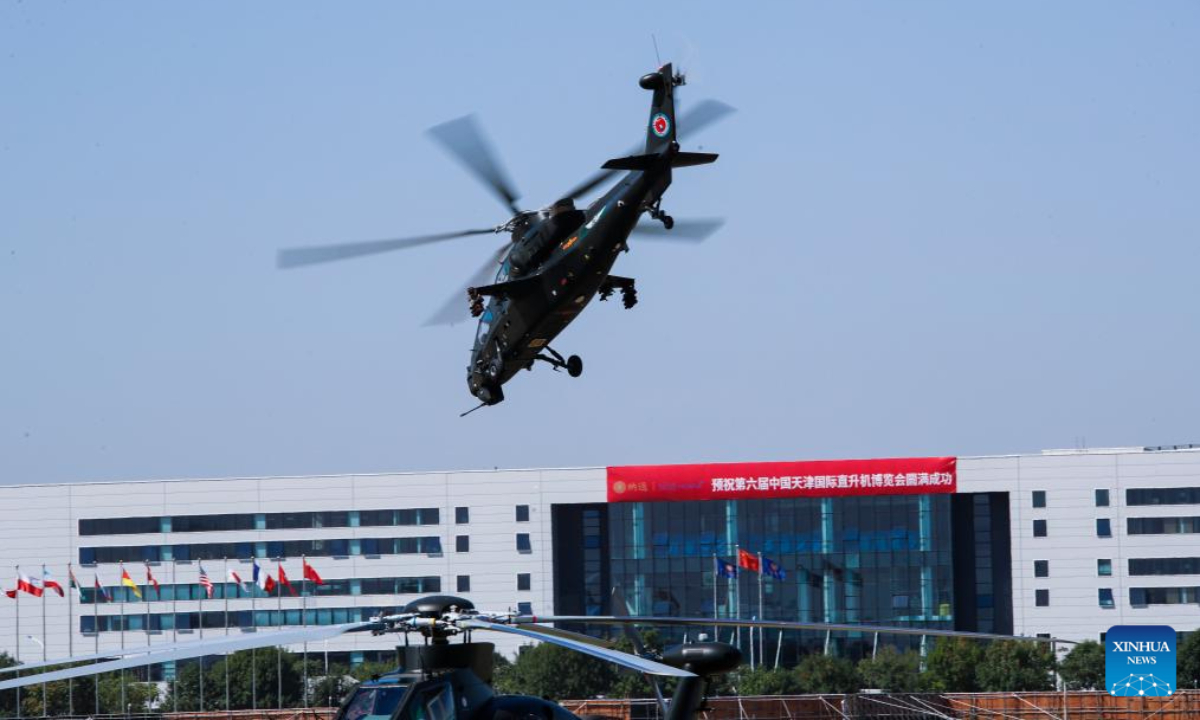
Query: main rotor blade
pixel 193 650
pixel 295 257
pixel 694 231
pixel 567 634
pixel 456 308
pixel 625 660
pixel 691 121
pixel 786 625
pixel 464 139
pixel 621 608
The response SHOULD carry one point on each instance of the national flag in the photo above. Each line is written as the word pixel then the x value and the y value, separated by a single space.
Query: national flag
pixel 283 580
pixel 263 579
pixel 311 574
pixel 206 583
pixel 49 583
pixel 772 568
pixel 748 560
pixel 24 584
pixel 234 577
pixel 152 581
pixel 129 583
pixel 75 582
pixel 725 568
pixel 101 593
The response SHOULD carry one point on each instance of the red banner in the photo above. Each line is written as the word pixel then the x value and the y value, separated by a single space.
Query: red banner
pixel 814 478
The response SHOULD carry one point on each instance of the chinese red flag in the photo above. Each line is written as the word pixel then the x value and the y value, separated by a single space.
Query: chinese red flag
pixel 748 560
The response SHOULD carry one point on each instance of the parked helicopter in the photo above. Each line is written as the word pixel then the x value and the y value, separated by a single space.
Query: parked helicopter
pixel 440 680
pixel 560 257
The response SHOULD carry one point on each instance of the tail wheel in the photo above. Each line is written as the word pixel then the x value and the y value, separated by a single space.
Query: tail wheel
pixel 574 366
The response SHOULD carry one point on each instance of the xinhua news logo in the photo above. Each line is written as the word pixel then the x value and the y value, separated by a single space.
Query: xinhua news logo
pixel 1139 660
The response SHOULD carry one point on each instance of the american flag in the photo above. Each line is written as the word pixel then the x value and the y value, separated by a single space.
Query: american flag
pixel 206 583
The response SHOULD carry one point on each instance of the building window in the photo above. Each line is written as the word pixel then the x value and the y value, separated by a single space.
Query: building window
pixel 1106 598
pixel 1165 566
pixel 1103 527
pixel 1041 568
pixel 1163 496
pixel 522 513
pixel 1039 528
pixel 525 608
pixel 523 543
pixel 1163 525
pixel 1042 598
pixel 1039 498
pixel 1101 498
pixel 464 583
pixel 1104 567
pixel 523 581
pixel 462 543
pixel 462 515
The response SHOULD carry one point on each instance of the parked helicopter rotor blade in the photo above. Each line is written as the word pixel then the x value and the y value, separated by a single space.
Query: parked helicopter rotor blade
pixel 693 231
pixel 621 608
pixel 456 307
pixel 782 625
pixel 464 140
pixel 200 648
pixel 625 660
pixel 578 637
pixel 691 121
pixel 296 257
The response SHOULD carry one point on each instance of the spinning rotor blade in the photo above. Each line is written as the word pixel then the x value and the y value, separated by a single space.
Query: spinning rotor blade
pixel 463 139
pixel 787 625
pixel 694 231
pixel 295 257
pixel 692 121
pixel 625 660
pixel 456 309
pixel 184 651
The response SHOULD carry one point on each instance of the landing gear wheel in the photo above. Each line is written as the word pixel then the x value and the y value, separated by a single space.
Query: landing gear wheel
pixel 574 366
pixel 668 222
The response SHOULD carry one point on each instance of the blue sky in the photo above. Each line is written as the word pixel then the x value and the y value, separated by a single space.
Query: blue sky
pixel 951 230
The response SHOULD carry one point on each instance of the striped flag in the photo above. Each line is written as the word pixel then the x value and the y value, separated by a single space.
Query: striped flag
pixel 101 593
pixel 24 584
pixel 152 581
pixel 129 583
pixel 263 579
pixel 206 583
pixel 49 583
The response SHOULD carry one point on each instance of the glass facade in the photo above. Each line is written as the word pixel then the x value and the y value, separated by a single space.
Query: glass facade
pixel 1163 525
pixel 1141 597
pixel 1164 566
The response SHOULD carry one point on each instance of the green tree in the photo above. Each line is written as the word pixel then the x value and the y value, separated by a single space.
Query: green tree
pixel 951 665
pixel 766 681
pixel 1015 665
pixel 1187 661
pixel 891 670
pixel 824 674
pixel 184 693
pixel 555 672
pixel 8 698
pixel 1083 667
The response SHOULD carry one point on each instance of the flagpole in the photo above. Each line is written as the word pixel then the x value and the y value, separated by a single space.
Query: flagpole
pixel 304 617
pixel 45 639
pixel 17 646
pixel 174 633
pixel 737 593
pixel 71 636
pixel 279 651
pixel 760 607
pixel 146 600
pixel 200 615
pixel 97 588
pixel 124 593
pixel 225 592
pixel 254 628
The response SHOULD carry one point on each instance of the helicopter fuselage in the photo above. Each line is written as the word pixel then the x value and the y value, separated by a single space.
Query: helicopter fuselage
pixel 526 312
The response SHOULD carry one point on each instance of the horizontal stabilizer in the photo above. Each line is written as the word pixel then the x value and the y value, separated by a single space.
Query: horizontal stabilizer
pixel 645 162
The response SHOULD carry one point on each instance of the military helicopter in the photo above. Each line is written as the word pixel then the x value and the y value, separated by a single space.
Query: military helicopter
pixel 558 258
pixel 440 680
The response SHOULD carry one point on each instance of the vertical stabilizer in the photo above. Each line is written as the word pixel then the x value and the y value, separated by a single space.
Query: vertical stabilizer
pixel 660 132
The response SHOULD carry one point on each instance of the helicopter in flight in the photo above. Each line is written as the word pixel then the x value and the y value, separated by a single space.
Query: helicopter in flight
pixel 560 257
pixel 440 680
